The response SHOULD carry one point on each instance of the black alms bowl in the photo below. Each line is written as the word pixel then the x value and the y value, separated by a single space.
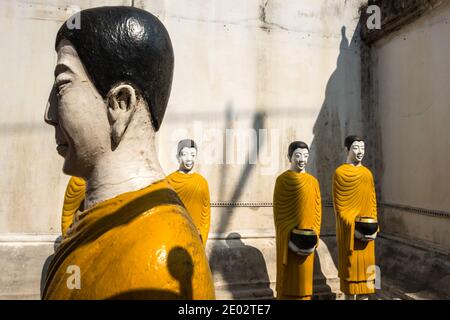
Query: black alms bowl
pixel 366 225
pixel 304 239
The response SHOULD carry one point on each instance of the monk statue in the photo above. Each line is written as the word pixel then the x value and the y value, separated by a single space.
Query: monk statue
pixel 297 211
pixel 355 205
pixel 73 202
pixel 134 239
pixel 191 187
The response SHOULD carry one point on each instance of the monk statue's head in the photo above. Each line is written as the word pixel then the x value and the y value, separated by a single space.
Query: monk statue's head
pixel 355 149
pixel 298 154
pixel 113 78
pixel 186 155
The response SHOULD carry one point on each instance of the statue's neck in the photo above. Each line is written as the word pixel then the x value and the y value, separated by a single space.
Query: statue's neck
pixel 184 171
pixel 354 163
pixel 121 171
pixel 297 169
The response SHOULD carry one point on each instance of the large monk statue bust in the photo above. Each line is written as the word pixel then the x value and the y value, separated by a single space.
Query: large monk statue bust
pixel 134 239
pixel 191 187
pixel 355 205
pixel 297 213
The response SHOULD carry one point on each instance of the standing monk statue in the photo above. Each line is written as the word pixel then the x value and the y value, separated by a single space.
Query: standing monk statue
pixel 191 187
pixel 134 239
pixel 297 211
pixel 355 206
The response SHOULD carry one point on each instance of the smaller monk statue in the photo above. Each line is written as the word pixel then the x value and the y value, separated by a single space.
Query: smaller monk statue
pixel 356 222
pixel 298 214
pixel 191 187
pixel 73 202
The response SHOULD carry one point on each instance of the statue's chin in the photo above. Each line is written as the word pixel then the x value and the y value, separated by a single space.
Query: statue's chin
pixel 62 150
pixel 70 168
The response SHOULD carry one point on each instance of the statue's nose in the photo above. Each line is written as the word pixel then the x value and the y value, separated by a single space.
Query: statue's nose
pixel 51 115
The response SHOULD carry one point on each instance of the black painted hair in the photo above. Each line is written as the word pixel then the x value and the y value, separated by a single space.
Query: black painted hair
pixel 125 45
pixel 350 139
pixel 295 145
pixel 186 143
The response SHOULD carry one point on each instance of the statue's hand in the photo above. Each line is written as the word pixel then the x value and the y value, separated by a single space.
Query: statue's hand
pixel 363 238
pixel 305 252
pixel 371 237
pixel 293 247
pixel 359 235
pixel 297 250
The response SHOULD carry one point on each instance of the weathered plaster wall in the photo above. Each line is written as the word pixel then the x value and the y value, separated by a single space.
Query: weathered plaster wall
pixel 290 67
pixel 412 73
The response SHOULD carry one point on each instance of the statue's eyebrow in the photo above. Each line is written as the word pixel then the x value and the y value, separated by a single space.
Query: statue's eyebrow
pixel 60 68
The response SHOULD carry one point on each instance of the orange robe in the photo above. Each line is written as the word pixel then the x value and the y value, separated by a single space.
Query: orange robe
pixel 73 200
pixel 354 195
pixel 296 204
pixel 138 245
pixel 193 190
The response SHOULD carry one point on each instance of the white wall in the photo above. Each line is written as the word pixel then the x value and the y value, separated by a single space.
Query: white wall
pixel 226 59
pixel 412 69
pixel 280 65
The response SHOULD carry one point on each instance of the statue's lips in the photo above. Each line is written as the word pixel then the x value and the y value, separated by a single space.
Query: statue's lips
pixel 62 149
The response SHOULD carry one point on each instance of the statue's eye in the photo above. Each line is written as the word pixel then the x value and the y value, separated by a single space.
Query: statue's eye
pixel 60 84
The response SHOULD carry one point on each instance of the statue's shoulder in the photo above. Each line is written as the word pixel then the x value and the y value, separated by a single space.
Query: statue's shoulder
pixel 366 170
pixel 312 178
pixel 341 169
pixel 169 225
pixel 172 175
pixel 283 176
pixel 200 177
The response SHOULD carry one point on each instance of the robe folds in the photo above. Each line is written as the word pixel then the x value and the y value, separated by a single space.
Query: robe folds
pixel 354 195
pixel 193 191
pixel 138 245
pixel 296 204
pixel 73 200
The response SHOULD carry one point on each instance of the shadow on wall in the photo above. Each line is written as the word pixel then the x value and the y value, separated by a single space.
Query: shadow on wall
pixel 242 267
pixel 320 286
pixel 339 116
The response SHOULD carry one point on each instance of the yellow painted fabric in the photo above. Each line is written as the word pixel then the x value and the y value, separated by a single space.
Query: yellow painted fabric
pixel 194 192
pixel 138 245
pixel 73 200
pixel 296 204
pixel 354 195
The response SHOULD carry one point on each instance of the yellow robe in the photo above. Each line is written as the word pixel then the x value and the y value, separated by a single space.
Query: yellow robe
pixel 296 204
pixel 138 245
pixel 73 199
pixel 354 195
pixel 194 192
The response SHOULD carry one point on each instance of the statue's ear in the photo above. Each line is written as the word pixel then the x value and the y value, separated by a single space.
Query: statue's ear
pixel 121 106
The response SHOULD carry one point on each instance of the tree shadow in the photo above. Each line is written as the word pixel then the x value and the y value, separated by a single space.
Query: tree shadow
pixel 222 256
pixel 243 268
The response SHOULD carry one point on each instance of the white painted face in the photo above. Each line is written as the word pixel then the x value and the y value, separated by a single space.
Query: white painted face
pixel 356 152
pixel 299 159
pixel 78 113
pixel 186 158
